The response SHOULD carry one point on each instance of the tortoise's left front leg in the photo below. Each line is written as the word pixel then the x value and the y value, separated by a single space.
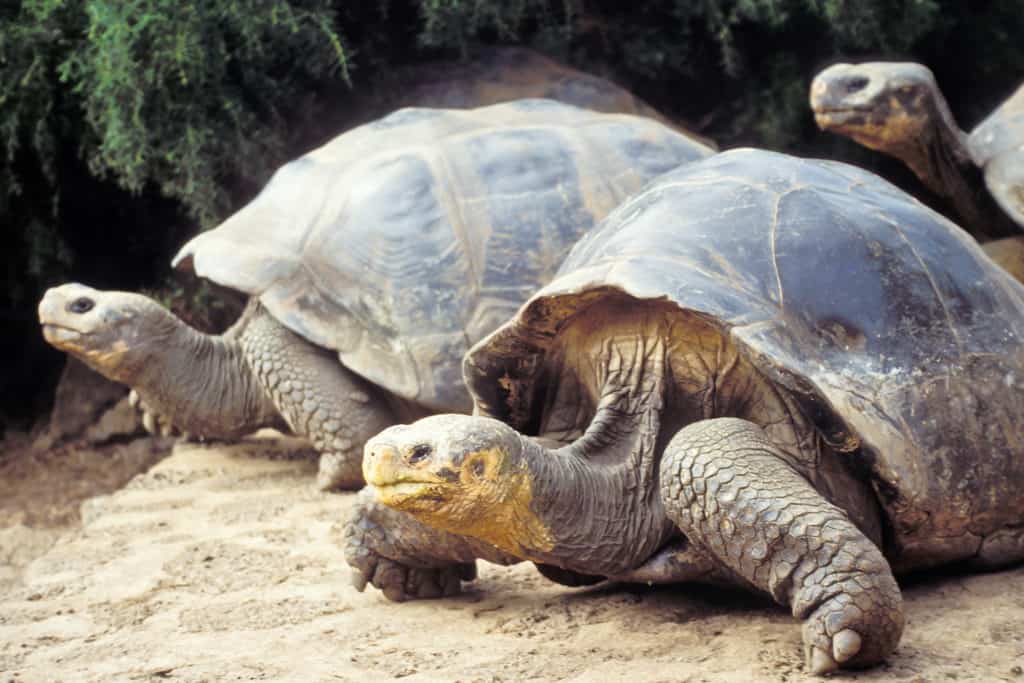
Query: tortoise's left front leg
pixel 319 398
pixel 732 492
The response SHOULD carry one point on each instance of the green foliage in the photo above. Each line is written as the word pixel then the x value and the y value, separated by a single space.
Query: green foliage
pixel 29 117
pixel 189 95
pixel 184 97
pixel 459 23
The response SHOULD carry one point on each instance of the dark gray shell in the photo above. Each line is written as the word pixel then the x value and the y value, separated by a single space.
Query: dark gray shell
pixel 896 333
pixel 402 242
pixel 997 146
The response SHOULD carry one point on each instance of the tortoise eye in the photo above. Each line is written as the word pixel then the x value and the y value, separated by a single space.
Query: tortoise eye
pixel 82 304
pixel 419 453
pixel 856 84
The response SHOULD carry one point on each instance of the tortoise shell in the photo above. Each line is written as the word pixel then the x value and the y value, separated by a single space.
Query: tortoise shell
pixel 402 242
pixel 997 146
pixel 502 74
pixel 891 328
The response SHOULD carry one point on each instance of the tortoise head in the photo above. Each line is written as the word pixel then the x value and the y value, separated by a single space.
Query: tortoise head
pixel 112 332
pixel 464 474
pixel 886 106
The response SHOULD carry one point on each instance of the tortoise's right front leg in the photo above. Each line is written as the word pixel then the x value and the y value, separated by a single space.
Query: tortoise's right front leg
pixel 405 559
pixel 732 492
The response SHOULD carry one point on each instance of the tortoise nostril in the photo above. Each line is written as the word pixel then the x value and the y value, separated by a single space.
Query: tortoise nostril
pixel 82 304
pixel 855 84
pixel 418 454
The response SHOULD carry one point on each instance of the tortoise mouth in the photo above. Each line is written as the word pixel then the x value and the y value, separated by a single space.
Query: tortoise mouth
pixel 404 492
pixel 831 117
pixel 61 334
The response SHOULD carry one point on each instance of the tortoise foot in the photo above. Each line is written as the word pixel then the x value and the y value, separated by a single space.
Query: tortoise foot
pixel 851 630
pixel 402 558
pixel 399 582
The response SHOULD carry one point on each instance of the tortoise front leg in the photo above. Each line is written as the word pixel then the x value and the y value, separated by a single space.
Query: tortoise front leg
pixel 731 491
pixel 404 558
pixel 319 398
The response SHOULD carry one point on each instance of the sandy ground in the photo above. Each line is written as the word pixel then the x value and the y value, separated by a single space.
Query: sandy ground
pixel 223 563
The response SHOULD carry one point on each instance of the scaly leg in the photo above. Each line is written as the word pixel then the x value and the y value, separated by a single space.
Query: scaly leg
pixel 732 492
pixel 319 398
pixel 406 559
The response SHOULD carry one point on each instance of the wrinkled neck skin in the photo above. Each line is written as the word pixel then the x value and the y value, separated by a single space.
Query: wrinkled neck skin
pixel 598 496
pixel 943 163
pixel 599 518
pixel 200 382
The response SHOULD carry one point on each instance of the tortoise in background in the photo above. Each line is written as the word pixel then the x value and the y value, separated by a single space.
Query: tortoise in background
pixel 783 374
pixel 897 108
pixel 372 264
pixel 490 75
pixel 500 74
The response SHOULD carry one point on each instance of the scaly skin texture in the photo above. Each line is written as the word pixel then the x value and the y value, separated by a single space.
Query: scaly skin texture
pixel 729 490
pixel 404 558
pixel 227 419
pixel 318 398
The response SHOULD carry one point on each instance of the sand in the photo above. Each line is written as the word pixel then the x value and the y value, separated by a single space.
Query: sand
pixel 223 563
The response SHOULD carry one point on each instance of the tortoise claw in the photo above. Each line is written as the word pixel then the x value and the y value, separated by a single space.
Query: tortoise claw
pixel 149 423
pixel 399 582
pixel 820 662
pixel 359 581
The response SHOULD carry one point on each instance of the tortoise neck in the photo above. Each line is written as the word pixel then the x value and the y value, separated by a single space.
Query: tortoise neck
pixel 942 161
pixel 200 382
pixel 598 496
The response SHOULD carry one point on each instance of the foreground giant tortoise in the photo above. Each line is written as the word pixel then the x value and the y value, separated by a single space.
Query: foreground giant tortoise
pixel 391 249
pixel 782 374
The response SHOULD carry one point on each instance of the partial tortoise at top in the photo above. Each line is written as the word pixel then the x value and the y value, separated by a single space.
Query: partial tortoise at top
pixel 500 74
pixel 372 264
pixel 489 75
pixel 777 373
pixel 897 108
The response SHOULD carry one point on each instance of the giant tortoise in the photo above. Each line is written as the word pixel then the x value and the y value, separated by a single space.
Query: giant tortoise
pixel 391 249
pixel 778 373
pixel 897 108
